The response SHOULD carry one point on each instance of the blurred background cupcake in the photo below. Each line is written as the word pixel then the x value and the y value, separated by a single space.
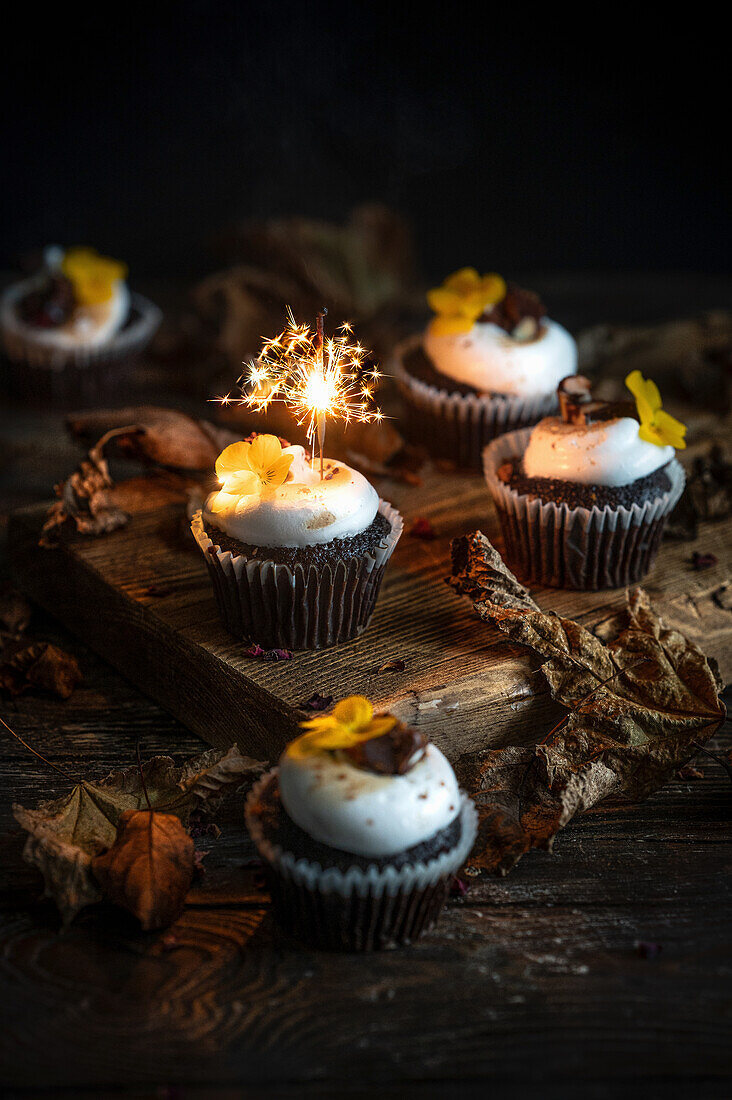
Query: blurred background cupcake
pixel 70 331
pixel 583 497
pixel 489 362
pixel 361 828
pixel 296 559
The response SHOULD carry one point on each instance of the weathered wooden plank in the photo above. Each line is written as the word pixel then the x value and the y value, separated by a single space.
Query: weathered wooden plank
pixel 461 683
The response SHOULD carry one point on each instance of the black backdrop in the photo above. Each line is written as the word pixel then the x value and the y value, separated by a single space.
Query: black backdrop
pixel 510 140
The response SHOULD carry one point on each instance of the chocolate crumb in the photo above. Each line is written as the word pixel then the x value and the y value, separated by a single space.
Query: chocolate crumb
pixel 701 561
pixel 422 529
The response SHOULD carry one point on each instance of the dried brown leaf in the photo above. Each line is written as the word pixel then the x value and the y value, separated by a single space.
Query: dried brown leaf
pixel 83 499
pixel 149 868
pixel 65 834
pixel 42 666
pixel 640 708
pixel 160 436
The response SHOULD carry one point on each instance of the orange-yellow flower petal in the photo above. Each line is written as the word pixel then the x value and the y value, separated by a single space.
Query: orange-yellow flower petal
pixel 276 474
pixel 233 458
pixel 463 281
pixel 441 300
pixel 92 276
pixel 354 713
pixel 264 450
pixel 656 425
pixel 671 429
pixel 243 483
pixel 442 325
pixel 493 289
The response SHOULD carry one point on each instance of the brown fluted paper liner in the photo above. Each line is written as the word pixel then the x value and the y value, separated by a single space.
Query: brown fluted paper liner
pixel 584 548
pixel 278 606
pixel 458 425
pixel 358 910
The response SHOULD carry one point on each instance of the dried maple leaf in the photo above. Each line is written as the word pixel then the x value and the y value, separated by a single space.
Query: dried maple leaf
pixel 149 868
pixel 84 497
pixel 640 707
pixel 42 666
pixel 163 437
pixel 67 833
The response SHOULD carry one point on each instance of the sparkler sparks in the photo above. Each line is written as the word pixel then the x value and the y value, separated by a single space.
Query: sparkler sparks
pixel 317 378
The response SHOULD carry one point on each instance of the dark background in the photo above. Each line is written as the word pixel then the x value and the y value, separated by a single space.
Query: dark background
pixel 511 141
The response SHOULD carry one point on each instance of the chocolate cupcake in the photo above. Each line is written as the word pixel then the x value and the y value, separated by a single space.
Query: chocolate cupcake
pixel 296 561
pixel 583 498
pixel 69 331
pixel 361 828
pixel 489 362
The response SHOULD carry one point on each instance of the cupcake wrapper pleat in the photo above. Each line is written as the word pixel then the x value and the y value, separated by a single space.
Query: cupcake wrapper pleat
pixel 457 425
pixel 583 548
pixel 357 909
pixel 278 606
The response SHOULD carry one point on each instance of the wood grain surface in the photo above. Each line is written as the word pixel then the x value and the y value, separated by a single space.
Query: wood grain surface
pixel 535 978
pixel 532 985
pixel 141 597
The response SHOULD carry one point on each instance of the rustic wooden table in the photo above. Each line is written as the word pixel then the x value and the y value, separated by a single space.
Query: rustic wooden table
pixel 535 982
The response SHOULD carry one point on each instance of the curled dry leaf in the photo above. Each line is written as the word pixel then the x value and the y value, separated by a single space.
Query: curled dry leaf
pixel 149 868
pixel 67 833
pixel 639 708
pixel 43 667
pixel 84 498
pixel 157 436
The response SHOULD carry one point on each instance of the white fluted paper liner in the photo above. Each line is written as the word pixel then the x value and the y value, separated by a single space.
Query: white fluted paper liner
pixel 459 425
pixel 374 881
pixel 583 548
pixel 21 347
pixel 297 607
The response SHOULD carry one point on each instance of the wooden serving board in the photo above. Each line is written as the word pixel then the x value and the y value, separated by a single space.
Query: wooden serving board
pixel 142 599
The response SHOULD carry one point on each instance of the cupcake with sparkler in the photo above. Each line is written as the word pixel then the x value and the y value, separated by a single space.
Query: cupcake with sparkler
pixel 489 362
pixel 68 329
pixel 297 546
pixel 361 828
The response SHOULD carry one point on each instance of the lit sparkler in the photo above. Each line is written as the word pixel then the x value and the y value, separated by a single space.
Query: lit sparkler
pixel 316 377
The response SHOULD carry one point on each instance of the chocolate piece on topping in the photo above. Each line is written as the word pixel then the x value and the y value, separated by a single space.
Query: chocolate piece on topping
pixel 394 753
pixel 51 304
pixel 576 404
pixel 517 306
pixel 573 392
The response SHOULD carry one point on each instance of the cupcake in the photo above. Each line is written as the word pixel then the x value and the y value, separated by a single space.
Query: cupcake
pixel 296 561
pixel 583 497
pixel 361 828
pixel 68 329
pixel 489 362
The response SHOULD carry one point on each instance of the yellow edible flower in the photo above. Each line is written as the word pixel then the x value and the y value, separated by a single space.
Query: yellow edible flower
pixel 350 722
pixel 246 468
pixel 461 299
pixel 656 426
pixel 91 275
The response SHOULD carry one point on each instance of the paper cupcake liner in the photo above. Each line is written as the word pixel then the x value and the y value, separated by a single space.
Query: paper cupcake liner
pixel 279 606
pixel 357 909
pixel 585 548
pixel 82 374
pixel 458 425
